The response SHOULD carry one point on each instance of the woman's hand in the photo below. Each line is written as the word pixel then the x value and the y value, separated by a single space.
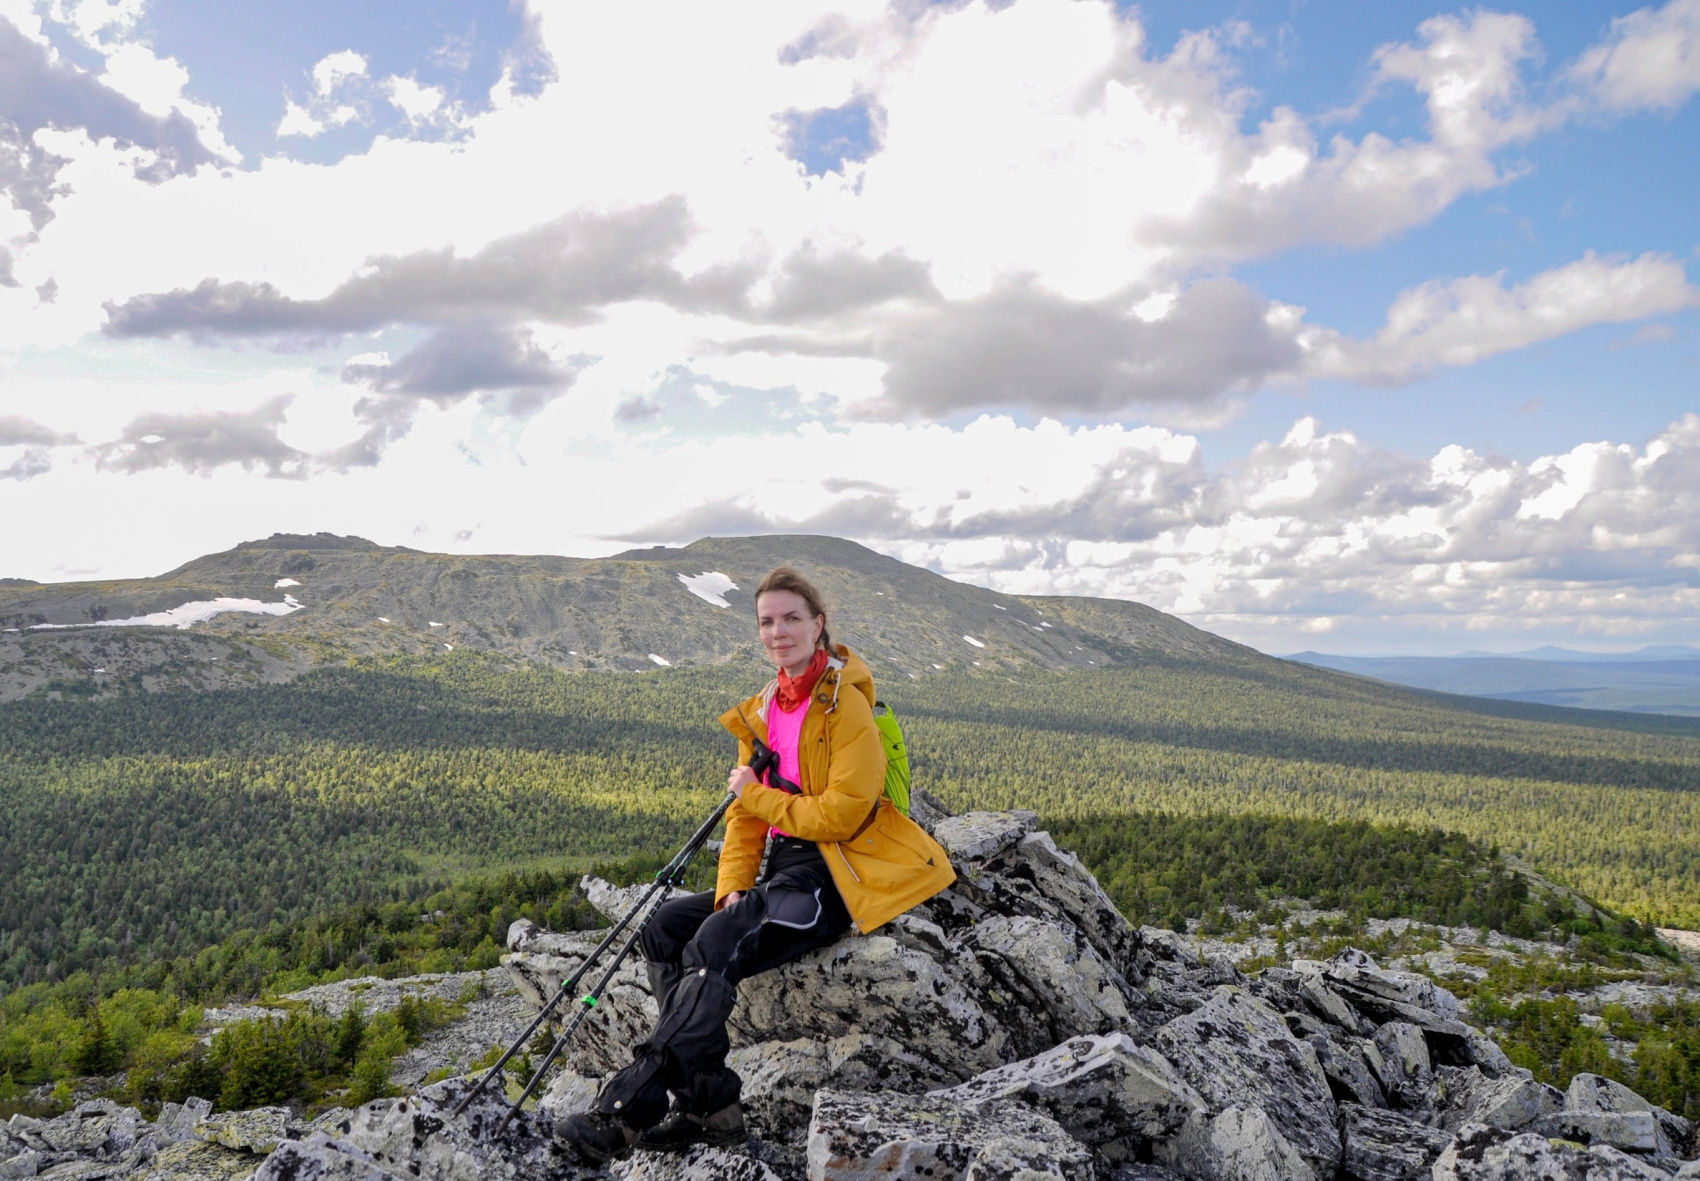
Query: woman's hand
pixel 739 779
pixel 731 898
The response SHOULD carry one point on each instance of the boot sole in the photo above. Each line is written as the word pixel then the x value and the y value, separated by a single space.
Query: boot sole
pixel 711 1140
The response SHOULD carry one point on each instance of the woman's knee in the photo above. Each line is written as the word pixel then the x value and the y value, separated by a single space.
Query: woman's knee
pixel 675 924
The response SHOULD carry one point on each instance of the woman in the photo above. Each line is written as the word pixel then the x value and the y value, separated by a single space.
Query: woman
pixel 839 857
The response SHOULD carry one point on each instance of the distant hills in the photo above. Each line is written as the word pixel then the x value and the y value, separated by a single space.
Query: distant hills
pixel 266 610
pixel 1664 679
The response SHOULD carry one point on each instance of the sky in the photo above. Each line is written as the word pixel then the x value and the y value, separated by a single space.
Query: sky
pixel 1322 325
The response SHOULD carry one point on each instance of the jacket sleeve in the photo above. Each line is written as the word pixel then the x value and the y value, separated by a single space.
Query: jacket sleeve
pixel 740 851
pixel 855 779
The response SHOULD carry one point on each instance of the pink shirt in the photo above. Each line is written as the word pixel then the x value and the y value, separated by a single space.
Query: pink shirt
pixel 784 727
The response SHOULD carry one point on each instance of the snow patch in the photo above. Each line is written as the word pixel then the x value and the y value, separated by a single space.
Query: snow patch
pixel 449 647
pixel 973 641
pixel 434 623
pixel 709 586
pixel 283 582
pixel 662 660
pixel 383 619
pixel 1000 608
pixel 187 615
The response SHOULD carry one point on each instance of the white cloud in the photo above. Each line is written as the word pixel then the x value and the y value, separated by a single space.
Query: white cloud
pixel 1463 321
pixel 89 20
pixel 1649 60
pixel 1033 154
pixel 298 121
pixel 333 69
pixel 419 103
pixel 159 86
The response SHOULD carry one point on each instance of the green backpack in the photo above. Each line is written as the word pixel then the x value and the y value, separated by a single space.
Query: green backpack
pixel 896 757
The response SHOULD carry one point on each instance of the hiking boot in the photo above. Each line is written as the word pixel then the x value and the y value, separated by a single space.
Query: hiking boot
pixel 683 1130
pixel 595 1136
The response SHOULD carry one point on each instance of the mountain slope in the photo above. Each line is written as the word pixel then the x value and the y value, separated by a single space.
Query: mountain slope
pixel 332 597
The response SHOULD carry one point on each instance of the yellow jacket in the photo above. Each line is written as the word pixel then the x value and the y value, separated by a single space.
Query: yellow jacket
pixel 882 862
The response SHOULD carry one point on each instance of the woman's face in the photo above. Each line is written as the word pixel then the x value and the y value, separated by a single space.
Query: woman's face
pixel 789 631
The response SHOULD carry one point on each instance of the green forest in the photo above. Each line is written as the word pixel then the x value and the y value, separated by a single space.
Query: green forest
pixel 194 846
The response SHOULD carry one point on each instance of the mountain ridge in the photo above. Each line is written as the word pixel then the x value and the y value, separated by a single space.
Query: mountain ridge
pixel 1666 683
pixel 293 601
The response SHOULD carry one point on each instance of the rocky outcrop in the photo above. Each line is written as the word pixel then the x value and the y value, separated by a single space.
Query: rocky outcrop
pixel 1017 1026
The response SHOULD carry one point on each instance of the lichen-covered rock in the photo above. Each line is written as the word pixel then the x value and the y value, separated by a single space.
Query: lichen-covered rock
pixel 1632 1131
pixel 198 1160
pixel 98 1127
pixel 568 1091
pixel 700 1164
pixel 1238 1052
pixel 1343 1057
pixel 1516 1101
pixel 878 986
pixel 1046 983
pixel 176 1122
pixel 781 1078
pixel 319 1158
pixel 1401 1061
pixel 421 1138
pixel 856 1136
pixel 976 836
pixel 614 902
pixel 1381 1145
pixel 1033 878
pixel 1235 1144
pixel 1109 1093
pixel 1383 995
pixel 1590 1093
pixel 260 1129
pixel 1495 1154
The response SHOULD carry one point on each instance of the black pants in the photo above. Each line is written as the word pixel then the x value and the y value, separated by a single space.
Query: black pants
pixel 696 956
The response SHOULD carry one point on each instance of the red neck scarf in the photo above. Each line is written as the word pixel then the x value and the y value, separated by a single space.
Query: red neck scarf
pixel 793 691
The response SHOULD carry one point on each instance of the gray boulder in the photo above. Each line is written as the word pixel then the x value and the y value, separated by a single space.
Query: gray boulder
pixel 1382 1145
pixel 1398 1053
pixel 1467 1096
pixel 977 836
pixel 1109 1093
pixel 1236 1144
pixel 781 1078
pixel 1495 1154
pixel 1591 1094
pixel 1237 1052
pixel 259 1130
pixel 1045 982
pixel 176 1122
pixel 1345 1060
pixel 855 1136
pixel 198 1160
pixel 877 986
pixel 1032 877
pixel 420 1137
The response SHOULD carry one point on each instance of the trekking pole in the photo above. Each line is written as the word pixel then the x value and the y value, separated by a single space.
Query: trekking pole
pixel 666 878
